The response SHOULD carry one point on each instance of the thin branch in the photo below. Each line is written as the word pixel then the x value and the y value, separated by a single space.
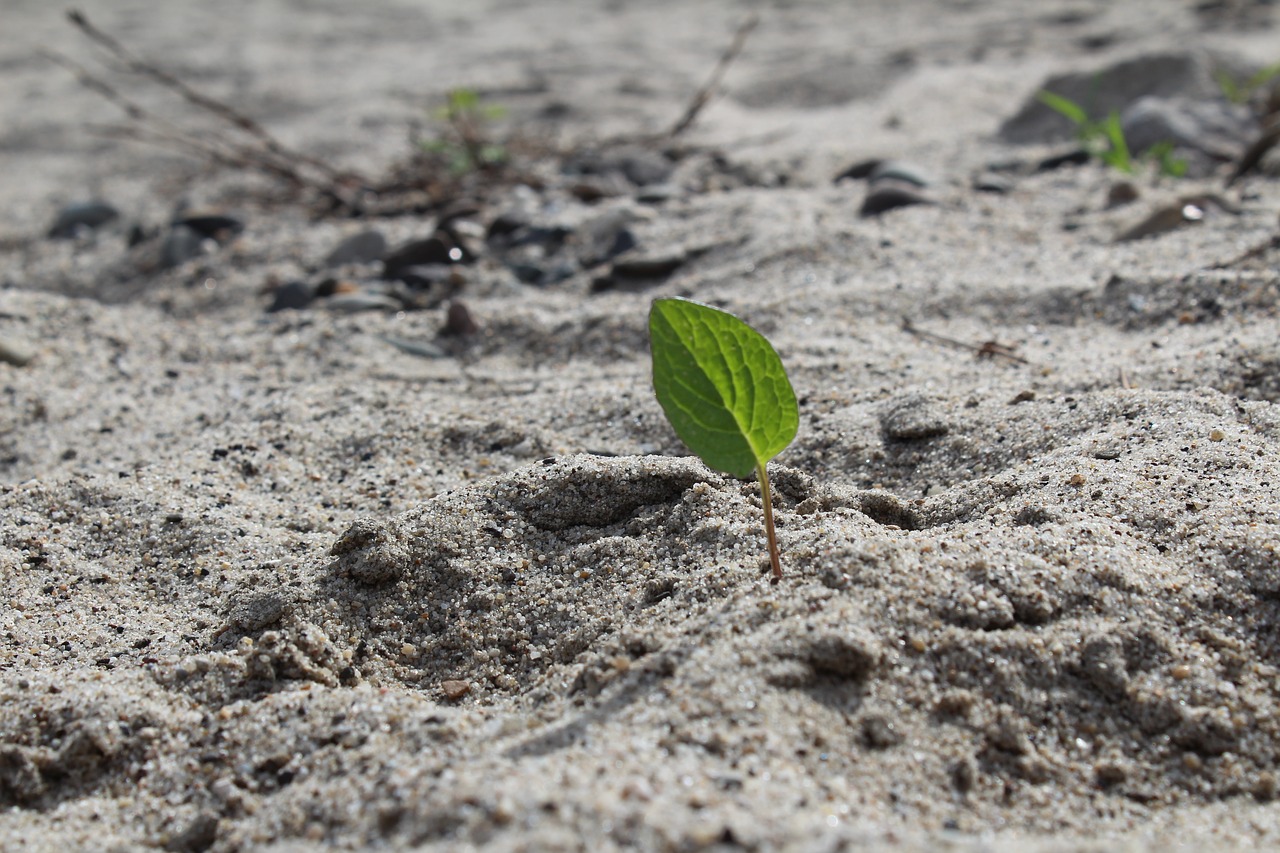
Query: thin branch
pixel 704 95
pixel 223 111
pixel 986 349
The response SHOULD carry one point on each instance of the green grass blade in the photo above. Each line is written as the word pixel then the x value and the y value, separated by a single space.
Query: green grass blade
pixel 1064 107
pixel 721 385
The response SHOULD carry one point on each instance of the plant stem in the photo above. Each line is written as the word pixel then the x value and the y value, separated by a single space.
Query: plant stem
pixel 774 559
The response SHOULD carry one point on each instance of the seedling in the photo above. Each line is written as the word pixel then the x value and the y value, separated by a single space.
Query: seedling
pixel 725 392
pixel 1240 91
pixel 1105 139
pixel 467 147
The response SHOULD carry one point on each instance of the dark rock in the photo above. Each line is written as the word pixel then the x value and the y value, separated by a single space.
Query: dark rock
pixel 1075 157
pixel 858 171
pixel 354 303
pixel 879 732
pixel 508 222
pixel 1214 129
pixel 426 276
pixel 1121 193
pixel 605 237
pixel 360 248
pixel 458 321
pixel 76 219
pixel 181 244
pixel 657 193
pixel 527 273
pixel 210 226
pixel 436 249
pixel 885 196
pixel 1179 74
pixel 994 183
pixel 658 265
pixel 641 166
pixel 558 272
pixel 294 294
pixel 199 836
pixel 1163 220
pixel 138 235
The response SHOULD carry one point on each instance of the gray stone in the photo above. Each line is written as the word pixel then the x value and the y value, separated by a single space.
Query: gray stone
pixel 889 195
pixel 1188 74
pixel 898 170
pixel 360 248
pixel 180 245
pixel 81 218
pixel 1215 128
pixel 291 295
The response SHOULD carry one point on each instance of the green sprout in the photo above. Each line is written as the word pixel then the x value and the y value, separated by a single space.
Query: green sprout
pixel 1240 91
pixel 1105 140
pixel 466 146
pixel 725 392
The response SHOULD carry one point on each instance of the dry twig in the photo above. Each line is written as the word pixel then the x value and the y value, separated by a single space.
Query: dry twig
pixel 986 349
pixel 256 149
pixel 704 95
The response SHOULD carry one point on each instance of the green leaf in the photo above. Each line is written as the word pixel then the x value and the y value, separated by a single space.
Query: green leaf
pixel 1118 156
pixel 721 385
pixel 1064 107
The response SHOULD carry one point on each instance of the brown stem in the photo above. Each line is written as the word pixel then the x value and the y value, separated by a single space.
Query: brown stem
pixel 775 558
pixel 704 95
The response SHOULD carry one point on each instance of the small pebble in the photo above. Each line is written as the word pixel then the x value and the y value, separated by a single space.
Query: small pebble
pixel 890 195
pixel 360 248
pixel 76 219
pixel 14 352
pixel 291 295
pixel 181 244
pixel 897 170
pixel 454 690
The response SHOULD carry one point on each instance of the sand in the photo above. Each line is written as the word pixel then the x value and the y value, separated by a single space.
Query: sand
pixel 272 583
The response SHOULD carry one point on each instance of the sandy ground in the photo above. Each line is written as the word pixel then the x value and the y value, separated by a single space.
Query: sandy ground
pixel 271 582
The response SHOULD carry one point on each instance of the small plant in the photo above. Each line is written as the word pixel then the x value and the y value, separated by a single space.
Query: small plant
pixel 725 392
pixel 467 146
pixel 1241 91
pixel 1105 140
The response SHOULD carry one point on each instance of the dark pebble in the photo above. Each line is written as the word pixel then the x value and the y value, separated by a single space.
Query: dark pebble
pixel 181 244
pixel 459 322
pixel 507 222
pixel 605 237
pixel 649 266
pixel 858 171
pixel 199 836
pixel 425 276
pixel 354 303
pixel 991 182
pixel 886 196
pixel 657 193
pixel 1074 157
pixel 431 250
pixel 360 248
pixel 76 219
pixel 294 294
pixel 212 226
